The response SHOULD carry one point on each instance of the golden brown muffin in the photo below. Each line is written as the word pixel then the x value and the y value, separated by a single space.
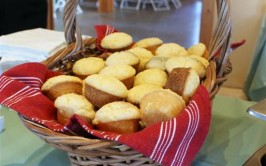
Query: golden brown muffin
pixel 157 62
pixel 151 76
pixel 160 105
pixel 117 41
pixel 183 81
pixel 171 50
pixel 101 89
pixel 120 117
pixel 150 44
pixel 198 49
pixel 204 61
pixel 144 56
pixel 136 93
pixel 60 85
pixel 70 104
pixel 123 57
pixel 186 62
pixel 122 72
pixel 88 66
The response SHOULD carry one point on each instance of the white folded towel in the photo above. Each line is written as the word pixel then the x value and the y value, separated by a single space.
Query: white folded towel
pixel 32 45
pixel 35 39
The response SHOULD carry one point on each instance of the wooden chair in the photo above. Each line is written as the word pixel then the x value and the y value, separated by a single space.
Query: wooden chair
pixel 130 4
pixel 176 3
pixel 157 5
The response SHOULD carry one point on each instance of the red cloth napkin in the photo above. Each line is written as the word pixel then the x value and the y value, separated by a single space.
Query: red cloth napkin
pixel 173 142
pixel 102 31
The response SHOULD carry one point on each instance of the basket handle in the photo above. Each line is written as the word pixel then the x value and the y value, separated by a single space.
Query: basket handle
pixel 219 49
pixel 220 36
pixel 71 29
pixel 220 40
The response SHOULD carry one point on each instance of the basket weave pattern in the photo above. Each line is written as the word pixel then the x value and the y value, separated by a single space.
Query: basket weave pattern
pixel 84 151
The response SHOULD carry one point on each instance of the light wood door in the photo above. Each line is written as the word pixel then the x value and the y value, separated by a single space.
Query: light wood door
pixel 207 21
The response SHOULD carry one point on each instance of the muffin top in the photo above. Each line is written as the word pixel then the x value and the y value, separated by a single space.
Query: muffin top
pixel 186 61
pixel 72 103
pixel 204 61
pixel 143 54
pixel 122 58
pixel 59 79
pixel 119 71
pixel 160 105
pixel 116 111
pixel 170 50
pixel 157 62
pixel 88 66
pixel 136 93
pixel 151 76
pixel 147 42
pixel 197 49
pixel 107 84
pixel 116 40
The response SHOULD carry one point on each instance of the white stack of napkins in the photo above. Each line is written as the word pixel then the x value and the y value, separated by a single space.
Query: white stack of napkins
pixel 33 45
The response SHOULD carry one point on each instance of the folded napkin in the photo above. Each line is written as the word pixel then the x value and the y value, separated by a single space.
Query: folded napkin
pixel 38 39
pixel 33 45
pixel 173 142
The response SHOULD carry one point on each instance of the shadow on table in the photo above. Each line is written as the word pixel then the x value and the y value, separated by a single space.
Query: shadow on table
pixel 56 157
pixel 46 156
pixel 224 142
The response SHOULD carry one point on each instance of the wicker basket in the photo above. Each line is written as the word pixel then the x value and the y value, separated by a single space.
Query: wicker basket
pixel 83 151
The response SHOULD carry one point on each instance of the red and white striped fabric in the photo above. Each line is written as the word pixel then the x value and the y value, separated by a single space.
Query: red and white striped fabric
pixel 174 142
pixel 102 31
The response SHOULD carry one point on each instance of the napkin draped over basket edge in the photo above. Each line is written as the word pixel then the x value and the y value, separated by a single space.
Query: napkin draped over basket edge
pixel 172 142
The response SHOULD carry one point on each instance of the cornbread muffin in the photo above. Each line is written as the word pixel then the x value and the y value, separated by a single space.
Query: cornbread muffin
pixel 160 105
pixel 183 81
pixel 157 62
pixel 70 104
pixel 136 93
pixel 117 41
pixel 186 62
pixel 204 61
pixel 144 56
pixel 101 89
pixel 151 76
pixel 171 50
pixel 197 49
pixel 123 57
pixel 120 117
pixel 88 66
pixel 60 85
pixel 122 72
pixel 150 44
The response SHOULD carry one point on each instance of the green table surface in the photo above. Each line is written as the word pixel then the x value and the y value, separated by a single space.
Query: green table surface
pixel 233 137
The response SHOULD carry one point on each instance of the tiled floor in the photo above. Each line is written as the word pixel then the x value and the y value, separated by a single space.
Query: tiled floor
pixel 176 25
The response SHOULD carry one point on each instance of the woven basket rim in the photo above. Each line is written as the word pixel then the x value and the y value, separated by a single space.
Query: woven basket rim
pixel 80 146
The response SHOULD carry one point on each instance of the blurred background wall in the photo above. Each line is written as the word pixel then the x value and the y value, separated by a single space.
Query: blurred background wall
pixel 246 23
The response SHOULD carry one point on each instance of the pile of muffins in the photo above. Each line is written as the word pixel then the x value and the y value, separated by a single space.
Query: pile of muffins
pixel 134 86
